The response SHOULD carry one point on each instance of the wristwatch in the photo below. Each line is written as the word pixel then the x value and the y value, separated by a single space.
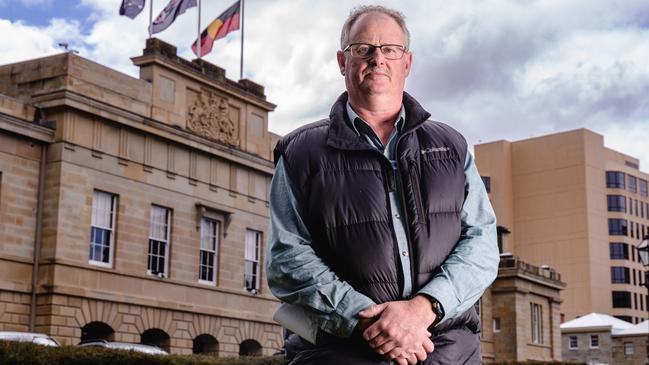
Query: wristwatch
pixel 437 309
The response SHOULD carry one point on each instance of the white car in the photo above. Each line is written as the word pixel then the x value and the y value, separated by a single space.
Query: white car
pixel 37 338
pixel 138 347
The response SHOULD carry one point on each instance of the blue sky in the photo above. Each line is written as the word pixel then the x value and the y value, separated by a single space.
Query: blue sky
pixel 493 69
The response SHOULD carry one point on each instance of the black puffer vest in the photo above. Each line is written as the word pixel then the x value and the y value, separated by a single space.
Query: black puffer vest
pixel 342 185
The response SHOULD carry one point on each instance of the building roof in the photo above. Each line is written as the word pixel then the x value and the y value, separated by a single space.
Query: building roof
pixel 596 321
pixel 641 328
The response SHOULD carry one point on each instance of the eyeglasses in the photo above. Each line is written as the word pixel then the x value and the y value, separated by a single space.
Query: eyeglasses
pixel 364 50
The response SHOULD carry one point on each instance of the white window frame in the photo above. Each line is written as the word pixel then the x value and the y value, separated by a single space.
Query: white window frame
pixel 249 252
pixel 96 194
pixel 596 337
pixel 629 348
pixel 536 317
pixel 570 346
pixel 166 240
pixel 215 238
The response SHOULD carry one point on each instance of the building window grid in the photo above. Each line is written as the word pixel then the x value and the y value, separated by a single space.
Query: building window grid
pixel 621 299
pixel 208 251
pixel 616 203
pixel 629 348
pixel 619 251
pixel 620 275
pixel 496 325
pixel 637 214
pixel 573 343
pixel 632 183
pixel 631 206
pixel 615 179
pixel 617 227
pixel 102 232
pixel 537 323
pixel 159 227
pixel 644 188
pixel 251 261
pixel 594 341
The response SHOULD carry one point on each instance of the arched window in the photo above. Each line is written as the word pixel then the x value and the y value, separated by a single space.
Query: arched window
pixel 206 344
pixel 156 337
pixel 97 331
pixel 249 348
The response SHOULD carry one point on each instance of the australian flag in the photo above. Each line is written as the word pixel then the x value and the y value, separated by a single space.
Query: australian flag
pixel 170 13
pixel 131 8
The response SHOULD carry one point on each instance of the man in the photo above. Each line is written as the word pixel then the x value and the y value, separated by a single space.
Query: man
pixel 382 234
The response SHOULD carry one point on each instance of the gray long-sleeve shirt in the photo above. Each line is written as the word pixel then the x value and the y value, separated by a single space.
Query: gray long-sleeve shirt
pixel 298 276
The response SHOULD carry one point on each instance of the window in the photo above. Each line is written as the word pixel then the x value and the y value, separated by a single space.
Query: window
pixel 641 210
pixel 615 179
pixel 635 301
pixel 251 263
pixel 208 252
pixel 102 237
pixel 478 310
pixel 624 318
pixel 619 251
pixel 617 227
pixel 537 323
pixel 573 344
pixel 636 208
pixel 620 275
pixel 594 341
pixel 496 324
pixel 632 181
pixel 629 349
pixel 486 180
pixel 630 206
pixel 616 203
pixel 159 226
pixel 644 191
pixel 621 299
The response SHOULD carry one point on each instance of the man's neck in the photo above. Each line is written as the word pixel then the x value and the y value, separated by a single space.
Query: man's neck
pixel 378 113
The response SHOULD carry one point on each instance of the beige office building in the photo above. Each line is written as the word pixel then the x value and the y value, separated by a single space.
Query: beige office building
pixel 579 207
pixel 138 207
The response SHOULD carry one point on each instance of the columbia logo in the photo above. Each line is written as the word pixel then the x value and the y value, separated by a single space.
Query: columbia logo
pixel 434 149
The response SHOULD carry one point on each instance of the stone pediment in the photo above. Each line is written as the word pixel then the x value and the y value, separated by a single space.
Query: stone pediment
pixel 209 116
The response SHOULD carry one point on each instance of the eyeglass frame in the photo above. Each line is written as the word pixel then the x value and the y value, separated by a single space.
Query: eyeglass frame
pixel 374 47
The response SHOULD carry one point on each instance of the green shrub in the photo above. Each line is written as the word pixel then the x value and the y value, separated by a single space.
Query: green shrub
pixel 18 353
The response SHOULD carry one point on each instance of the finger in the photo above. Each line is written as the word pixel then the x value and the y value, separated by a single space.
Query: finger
pixel 386 347
pixel 378 341
pixel 421 355
pixel 372 311
pixel 401 361
pixel 428 346
pixel 412 359
pixel 375 329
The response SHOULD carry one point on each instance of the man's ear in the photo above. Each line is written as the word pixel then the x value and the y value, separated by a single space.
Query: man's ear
pixel 340 56
pixel 408 57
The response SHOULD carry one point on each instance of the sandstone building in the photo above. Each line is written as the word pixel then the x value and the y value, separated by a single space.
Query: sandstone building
pixel 579 207
pixel 135 209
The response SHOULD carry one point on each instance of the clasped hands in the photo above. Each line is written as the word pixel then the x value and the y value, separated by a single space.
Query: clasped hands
pixel 399 330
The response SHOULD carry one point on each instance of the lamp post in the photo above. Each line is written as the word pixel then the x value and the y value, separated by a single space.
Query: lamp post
pixel 643 252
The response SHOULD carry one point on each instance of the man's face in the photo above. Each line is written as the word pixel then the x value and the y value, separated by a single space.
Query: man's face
pixel 375 74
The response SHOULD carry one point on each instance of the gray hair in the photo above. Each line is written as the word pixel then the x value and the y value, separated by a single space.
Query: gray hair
pixel 364 9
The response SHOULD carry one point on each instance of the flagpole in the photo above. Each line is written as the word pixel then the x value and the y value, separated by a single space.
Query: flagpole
pixel 198 39
pixel 150 17
pixel 242 27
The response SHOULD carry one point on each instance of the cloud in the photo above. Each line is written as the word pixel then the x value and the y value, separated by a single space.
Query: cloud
pixel 494 69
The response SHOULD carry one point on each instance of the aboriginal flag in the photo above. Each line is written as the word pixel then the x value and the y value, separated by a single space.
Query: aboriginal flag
pixel 219 28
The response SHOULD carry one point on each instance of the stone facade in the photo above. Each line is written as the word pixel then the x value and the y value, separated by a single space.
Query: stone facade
pixel 585 351
pixel 182 137
pixel 507 311
pixel 631 350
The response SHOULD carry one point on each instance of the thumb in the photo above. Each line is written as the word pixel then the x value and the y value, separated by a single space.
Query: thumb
pixel 372 311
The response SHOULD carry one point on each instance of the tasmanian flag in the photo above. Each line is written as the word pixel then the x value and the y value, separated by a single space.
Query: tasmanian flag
pixel 170 13
pixel 131 8
pixel 219 28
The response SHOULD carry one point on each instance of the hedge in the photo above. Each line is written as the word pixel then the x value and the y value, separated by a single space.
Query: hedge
pixel 23 353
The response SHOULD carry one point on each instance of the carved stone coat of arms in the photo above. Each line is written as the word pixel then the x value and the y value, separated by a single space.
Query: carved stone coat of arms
pixel 209 117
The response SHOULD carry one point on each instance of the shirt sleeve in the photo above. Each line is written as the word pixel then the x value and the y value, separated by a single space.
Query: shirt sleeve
pixel 473 264
pixel 296 274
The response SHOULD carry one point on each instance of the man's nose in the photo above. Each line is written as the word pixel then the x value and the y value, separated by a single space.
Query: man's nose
pixel 377 57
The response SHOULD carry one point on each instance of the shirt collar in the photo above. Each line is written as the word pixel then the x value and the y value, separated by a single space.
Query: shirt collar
pixel 358 124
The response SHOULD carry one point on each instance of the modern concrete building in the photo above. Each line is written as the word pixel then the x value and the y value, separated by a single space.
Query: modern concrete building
pixel 135 209
pixel 519 313
pixel 573 204
pixel 589 339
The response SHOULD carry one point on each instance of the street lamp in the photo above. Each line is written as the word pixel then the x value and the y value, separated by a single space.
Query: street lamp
pixel 643 252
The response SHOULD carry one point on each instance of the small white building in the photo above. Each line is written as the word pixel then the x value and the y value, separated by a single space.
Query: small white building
pixel 589 338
